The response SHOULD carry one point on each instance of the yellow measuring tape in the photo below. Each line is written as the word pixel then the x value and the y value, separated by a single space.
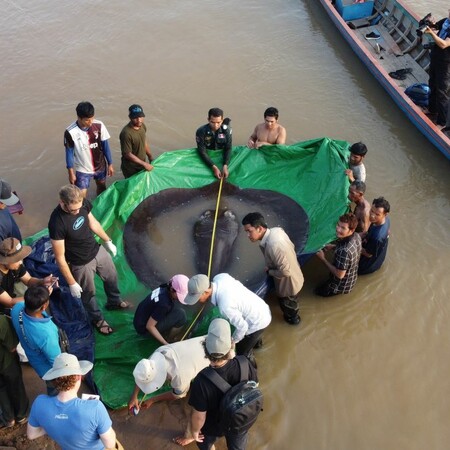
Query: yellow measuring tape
pixel 211 252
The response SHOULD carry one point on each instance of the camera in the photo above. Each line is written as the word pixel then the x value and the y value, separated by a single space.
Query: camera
pixel 424 23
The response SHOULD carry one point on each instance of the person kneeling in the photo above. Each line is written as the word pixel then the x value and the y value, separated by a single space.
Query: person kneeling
pixel 159 312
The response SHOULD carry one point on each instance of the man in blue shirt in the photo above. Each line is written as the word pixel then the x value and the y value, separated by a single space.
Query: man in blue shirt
pixel 375 243
pixel 37 333
pixel 70 421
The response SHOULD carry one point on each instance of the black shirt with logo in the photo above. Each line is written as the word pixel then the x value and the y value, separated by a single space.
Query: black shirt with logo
pixel 80 244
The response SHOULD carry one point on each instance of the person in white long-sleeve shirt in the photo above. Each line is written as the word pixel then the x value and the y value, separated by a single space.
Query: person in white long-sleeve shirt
pixel 247 312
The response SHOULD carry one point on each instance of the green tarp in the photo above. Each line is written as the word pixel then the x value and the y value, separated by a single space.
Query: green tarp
pixel 311 173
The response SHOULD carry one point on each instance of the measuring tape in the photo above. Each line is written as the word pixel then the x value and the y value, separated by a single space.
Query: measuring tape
pixel 211 252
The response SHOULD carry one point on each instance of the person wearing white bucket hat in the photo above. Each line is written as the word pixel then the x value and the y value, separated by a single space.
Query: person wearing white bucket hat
pixel 178 363
pixel 70 421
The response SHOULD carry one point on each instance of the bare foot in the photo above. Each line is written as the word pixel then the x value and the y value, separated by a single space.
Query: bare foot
pixel 181 440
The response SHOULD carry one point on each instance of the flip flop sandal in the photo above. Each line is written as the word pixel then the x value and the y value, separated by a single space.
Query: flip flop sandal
pixel 119 306
pixel 103 325
pixel 397 76
pixel 404 71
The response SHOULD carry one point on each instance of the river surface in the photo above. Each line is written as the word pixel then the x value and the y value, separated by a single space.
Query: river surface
pixel 369 370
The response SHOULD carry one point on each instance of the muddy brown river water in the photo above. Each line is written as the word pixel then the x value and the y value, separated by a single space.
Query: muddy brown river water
pixel 364 371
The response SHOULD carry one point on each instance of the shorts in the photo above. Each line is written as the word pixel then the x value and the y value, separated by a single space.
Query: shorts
pixel 84 179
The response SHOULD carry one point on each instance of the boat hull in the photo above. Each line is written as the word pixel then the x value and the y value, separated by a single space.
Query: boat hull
pixel 414 113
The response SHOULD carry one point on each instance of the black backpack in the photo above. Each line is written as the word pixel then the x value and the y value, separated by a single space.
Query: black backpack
pixel 241 403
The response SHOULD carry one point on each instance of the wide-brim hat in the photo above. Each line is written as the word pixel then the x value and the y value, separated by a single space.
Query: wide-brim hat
pixel 150 374
pixel 197 285
pixel 12 251
pixel 66 365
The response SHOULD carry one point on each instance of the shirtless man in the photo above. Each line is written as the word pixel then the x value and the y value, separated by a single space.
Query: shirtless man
pixel 362 208
pixel 268 133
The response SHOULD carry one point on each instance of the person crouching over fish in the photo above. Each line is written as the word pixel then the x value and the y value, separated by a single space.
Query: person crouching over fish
pixel 161 311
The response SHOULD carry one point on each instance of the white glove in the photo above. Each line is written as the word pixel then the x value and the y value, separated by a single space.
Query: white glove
pixel 75 290
pixel 111 247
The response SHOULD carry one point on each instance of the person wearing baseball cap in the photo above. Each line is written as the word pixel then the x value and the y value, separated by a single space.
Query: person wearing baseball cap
pixel 178 363
pixel 161 310
pixel 247 312
pixel 134 144
pixel 12 270
pixel 205 396
pixel 8 226
pixel 68 420
pixel 7 197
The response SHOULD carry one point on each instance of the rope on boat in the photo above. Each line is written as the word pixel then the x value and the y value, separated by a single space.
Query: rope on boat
pixel 211 252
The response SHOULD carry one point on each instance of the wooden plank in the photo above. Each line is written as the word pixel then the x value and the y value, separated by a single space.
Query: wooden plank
pixel 358 23
pixel 391 57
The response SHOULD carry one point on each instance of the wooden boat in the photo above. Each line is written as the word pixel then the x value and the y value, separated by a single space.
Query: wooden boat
pixel 398 47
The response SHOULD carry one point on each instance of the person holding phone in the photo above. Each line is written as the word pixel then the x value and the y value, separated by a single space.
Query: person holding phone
pixel 12 270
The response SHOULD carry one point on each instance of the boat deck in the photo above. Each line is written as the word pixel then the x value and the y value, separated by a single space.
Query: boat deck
pixel 398 47
pixel 390 56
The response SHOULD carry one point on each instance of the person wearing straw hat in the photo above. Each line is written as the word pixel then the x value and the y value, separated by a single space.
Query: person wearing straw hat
pixel 12 270
pixel 8 226
pixel 205 396
pixel 161 311
pixel 70 421
pixel 178 363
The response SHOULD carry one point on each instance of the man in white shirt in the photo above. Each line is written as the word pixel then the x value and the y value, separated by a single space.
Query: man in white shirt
pixel 247 312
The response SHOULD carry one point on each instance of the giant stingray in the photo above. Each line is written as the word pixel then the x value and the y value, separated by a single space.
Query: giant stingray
pixel 153 223
pixel 158 248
